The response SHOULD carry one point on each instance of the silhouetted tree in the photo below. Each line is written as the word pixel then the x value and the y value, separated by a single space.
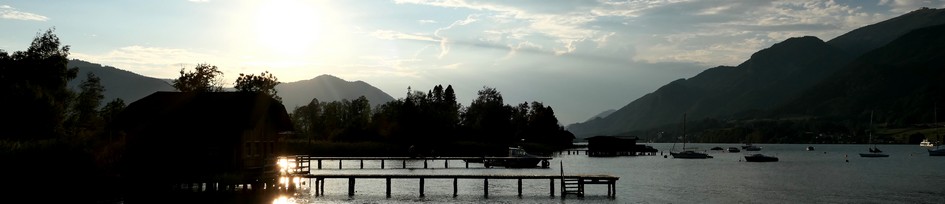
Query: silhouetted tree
pixel 263 83
pixel 488 117
pixel 204 78
pixel 34 84
pixel 85 119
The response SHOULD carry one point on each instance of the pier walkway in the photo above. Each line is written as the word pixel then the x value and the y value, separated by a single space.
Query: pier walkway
pixel 570 184
pixel 302 163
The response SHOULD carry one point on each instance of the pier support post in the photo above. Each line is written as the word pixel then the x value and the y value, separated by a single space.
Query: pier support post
pixel 467 165
pixel 388 187
pixel 454 186
pixel 424 163
pixel 421 187
pixel 350 186
pixel 519 187
pixel 446 163
pixel 382 164
pixel 552 188
pixel 362 164
pixel 319 164
pixel 405 163
pixel 485 187
pixel 339 163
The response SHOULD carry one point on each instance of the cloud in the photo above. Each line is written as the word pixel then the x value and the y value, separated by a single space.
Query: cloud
pixel 426 21
pixel 150 61
pixel 8 12
pixel 394 35
pixel 903 6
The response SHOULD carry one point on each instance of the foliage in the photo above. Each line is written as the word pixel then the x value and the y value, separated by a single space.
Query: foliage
pixel 431 119
pixel 34 82
pixel 85 119
pixel 204 78
pixel 263 83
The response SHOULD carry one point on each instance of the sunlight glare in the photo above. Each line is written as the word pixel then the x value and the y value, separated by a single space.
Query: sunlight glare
pixel 289 27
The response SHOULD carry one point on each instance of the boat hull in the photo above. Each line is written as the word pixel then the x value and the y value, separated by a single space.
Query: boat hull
pixel 513 162
pixel 873 155
pixel 689 155
pixel 760 158
pixel 937 152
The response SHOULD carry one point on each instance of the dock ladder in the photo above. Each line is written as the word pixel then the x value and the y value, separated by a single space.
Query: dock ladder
pixel 573 186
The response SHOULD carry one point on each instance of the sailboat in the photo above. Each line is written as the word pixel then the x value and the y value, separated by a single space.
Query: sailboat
pixel 874 151
pixel 688 154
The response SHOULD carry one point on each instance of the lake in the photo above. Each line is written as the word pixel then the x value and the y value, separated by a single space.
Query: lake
pixel 833 173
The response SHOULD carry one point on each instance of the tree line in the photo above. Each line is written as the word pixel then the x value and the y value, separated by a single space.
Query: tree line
pixel 433 117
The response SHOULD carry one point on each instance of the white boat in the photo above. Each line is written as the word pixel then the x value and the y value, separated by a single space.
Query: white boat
pixel 925 143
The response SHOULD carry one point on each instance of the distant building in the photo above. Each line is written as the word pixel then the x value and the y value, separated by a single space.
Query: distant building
pixel 616 146
pixel 175 137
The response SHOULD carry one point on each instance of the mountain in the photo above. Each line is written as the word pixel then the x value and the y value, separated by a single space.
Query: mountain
pixel 901 81
pixel 864 39
pixel 329 88
pixel 771 78
pixel 602 114
pixel 768 78
pixel 118 83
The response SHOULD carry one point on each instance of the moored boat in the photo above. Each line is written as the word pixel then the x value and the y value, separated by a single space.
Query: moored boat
pixel 517 158
pixel 760 158
pixel 925 143
pixel 734 149
pixel 937 151
pixel 690 155
pixel 810 148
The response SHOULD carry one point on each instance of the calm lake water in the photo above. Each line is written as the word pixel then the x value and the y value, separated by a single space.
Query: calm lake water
pixel 909 175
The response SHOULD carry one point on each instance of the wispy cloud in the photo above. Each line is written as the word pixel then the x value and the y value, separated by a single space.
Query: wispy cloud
pixel 394 35
pixel 8 12
pixel 426 21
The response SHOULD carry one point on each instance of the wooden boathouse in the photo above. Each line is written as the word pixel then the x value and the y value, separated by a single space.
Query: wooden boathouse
pixel 223 138
pixel 604 146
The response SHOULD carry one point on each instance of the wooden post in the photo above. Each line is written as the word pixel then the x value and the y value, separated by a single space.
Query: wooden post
pixel 454 186
pixel 405 163
pixel 322 183
pixel 350 186
pixel 388 187
pixel 362 164
pixel 446 163
pixel 467 165
pixel 485 187
pixel 339 163
pixel 552 188
pixel 424 163
pixel 421 187
pixel 519 187
pixel 319 164
pixel 382 164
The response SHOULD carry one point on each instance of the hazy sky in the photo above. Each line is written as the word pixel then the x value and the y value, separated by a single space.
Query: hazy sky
pixel 580 57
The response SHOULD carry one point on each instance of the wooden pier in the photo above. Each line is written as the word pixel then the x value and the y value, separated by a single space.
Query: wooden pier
pixel 302 163
pixel 570 184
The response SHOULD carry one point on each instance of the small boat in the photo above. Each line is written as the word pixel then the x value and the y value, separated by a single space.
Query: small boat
pixel 810 148
pixel 687 154
pixel 517 158
pixel 925 143
pixel 690 155
pixel 760 158
pixel 753 148
pixel 717 148
pixel 873 155
pixel 937 151
pixel 874 151
pixel 734 149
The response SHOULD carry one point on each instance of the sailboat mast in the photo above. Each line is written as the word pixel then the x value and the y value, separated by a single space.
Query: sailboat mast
pixel 685 139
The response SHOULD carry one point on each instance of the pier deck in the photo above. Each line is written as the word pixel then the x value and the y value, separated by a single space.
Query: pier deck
pixel 302 163
pixel 577 181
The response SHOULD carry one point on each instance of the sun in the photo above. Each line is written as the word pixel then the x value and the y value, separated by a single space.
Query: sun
pixel 289 27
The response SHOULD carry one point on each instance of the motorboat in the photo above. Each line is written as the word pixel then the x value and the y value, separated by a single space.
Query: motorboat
pixel 937 151
pixel 752 148
pixel 734 149
pixel 925 143
pixel 810 148
pixel 717 148
pixel 760 158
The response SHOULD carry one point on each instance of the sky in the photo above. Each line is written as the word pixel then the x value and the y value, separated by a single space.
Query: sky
pixel 579 57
